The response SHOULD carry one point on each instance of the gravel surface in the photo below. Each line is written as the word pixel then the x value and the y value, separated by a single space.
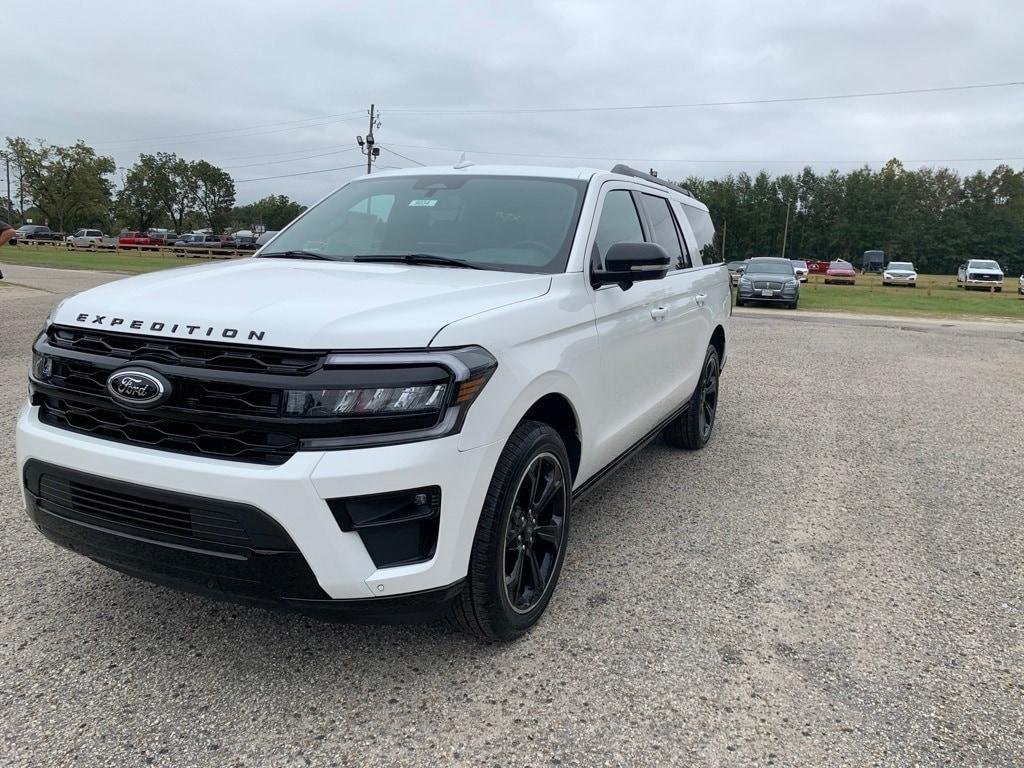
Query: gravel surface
pixel 836 580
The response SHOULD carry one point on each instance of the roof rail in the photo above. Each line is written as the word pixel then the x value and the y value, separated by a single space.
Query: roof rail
pixel 625 170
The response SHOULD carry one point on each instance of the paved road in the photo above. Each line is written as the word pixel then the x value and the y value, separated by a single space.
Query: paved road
pixel 837 580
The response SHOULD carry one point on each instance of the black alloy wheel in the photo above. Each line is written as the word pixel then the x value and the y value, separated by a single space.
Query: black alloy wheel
pixel 533 532
pixel 709 397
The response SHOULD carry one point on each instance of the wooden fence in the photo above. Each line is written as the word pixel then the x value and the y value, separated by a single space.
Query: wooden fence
pixel 182 251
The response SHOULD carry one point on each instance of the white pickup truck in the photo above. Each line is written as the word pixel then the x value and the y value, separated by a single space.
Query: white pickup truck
pixel 980 273
pixel 90 238
pixel 389 411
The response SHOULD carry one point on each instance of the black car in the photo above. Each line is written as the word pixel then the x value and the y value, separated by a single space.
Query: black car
pixel 34 232
pixel 768 280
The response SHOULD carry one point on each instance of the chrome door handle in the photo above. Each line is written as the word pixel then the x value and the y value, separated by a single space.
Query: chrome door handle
pixel 701 298
pixel 659 312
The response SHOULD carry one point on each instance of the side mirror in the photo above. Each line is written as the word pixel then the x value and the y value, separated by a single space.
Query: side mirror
pixel 627 263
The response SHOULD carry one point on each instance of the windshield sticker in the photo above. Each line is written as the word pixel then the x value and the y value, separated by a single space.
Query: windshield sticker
pixel 423 203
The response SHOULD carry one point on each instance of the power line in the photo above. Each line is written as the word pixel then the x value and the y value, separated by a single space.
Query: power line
pixel 302 173
pixel 290 159
pixel 703 160
pixel 388 149
pixel 329 118
pixel 696 104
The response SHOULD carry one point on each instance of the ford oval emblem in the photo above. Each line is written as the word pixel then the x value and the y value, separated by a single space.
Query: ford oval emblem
pixel 137 388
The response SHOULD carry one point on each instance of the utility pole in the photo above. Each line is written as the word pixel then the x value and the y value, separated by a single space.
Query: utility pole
pixel 7 168
pixel 785 232
pixel 368 145
pixel 725 230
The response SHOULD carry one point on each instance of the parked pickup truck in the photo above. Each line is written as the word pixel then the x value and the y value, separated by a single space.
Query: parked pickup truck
pixel 134 238
pixel 90 238
pixel 389 411
pixel 35 232
pixel 980 273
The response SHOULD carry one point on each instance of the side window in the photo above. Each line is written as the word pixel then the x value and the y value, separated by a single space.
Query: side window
pixel 620 223
pixel 665 229
pixel 704 234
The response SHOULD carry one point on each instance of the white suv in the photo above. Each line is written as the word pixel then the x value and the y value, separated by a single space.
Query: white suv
pixel 389 410
pixel 980 273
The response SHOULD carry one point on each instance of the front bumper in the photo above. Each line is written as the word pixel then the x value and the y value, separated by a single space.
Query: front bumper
pixel 847 279
pixel 986 284
pixel 783 296
pixel 293 494
pixel 897 280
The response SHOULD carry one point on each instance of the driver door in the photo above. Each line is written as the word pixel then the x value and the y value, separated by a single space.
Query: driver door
pixel 632 333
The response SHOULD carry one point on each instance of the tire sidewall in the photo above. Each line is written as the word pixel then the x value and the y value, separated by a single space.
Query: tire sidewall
pixel 543 439
pixel 695 405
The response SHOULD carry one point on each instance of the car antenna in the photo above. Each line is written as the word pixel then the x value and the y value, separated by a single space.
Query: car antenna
pixel 463 162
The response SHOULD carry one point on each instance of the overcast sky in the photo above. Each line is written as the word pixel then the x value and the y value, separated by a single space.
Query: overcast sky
pixel 241 83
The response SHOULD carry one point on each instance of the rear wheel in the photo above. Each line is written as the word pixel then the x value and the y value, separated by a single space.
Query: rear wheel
pixel 520 539
pixel 692 430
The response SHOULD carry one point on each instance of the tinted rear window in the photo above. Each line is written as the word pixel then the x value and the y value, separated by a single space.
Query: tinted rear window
pixel 704 233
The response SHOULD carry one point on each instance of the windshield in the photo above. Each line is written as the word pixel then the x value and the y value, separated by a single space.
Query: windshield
pixel 513 223
pixel 732 266
pixel 901 266
pixel 758 267
pixel 799 264
pixel 840 265
pixel 983 265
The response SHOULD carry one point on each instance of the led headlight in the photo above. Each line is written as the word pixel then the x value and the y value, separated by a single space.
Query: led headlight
pixel 744 280
pixel 371 401
pixel 390 397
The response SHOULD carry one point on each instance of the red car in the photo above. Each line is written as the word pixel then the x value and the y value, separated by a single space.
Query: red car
pixel 134 238
pixel 841 272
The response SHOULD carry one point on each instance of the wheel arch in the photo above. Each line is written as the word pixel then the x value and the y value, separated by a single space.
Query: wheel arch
pixel 718 342
pixel 555 410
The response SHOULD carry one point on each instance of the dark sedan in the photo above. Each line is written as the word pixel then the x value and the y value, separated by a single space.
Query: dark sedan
pixel 768 280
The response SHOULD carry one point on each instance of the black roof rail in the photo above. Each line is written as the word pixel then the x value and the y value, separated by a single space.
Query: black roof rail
pixel 625 170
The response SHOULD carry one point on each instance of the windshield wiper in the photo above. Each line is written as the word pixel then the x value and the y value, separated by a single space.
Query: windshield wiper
pixel 296 255
pixel 425 259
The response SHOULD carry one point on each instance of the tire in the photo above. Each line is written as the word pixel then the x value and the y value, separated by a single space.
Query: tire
pixel 692 430
pixel 999 290
pixel 494 605
pixel 793 304
pixel 739 303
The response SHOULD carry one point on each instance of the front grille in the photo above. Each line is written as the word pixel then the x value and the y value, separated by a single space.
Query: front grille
pixel 152 514
pixel 191 354
pixel 767 285
pixel 88 378
pixel 176 435
pixel 993 278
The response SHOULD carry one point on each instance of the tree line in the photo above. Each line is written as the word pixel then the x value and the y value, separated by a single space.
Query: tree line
pixel 69 187
pixel 930 216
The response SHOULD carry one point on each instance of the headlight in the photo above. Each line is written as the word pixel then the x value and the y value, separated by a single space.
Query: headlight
pixel 744 280
pixel 791 283
pixel 372 401
pixel 390 397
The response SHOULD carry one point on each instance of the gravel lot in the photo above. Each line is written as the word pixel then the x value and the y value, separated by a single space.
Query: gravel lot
pixel 837 580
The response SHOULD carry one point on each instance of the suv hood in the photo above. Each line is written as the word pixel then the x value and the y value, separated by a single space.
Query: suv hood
pixel 298 304
pixel 981 271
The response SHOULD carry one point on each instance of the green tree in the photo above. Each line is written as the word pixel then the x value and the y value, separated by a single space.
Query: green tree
pixel 215 193
pixel 140 203
pixel 68 184
pixel 273 212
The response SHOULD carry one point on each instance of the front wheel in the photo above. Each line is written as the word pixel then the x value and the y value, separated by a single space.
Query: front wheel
pixel 692 429
pixel 520 539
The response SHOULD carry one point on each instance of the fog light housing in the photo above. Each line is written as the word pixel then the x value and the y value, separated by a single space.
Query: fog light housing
pixel 397 528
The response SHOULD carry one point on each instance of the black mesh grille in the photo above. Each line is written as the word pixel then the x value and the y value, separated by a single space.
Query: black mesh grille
pixel 177 435
pixel 156 515
pixel 192 354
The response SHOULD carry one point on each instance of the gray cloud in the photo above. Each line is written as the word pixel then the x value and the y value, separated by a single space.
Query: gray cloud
pixel 112 71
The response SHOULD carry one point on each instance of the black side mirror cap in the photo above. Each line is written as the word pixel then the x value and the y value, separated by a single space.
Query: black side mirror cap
pixel 627 263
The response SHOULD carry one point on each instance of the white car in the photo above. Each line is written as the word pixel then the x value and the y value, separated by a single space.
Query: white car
pixel 390 409
pixel 980 273
pixel 90 238
pixel 1020 285
pixel 801 270
pixel 900 273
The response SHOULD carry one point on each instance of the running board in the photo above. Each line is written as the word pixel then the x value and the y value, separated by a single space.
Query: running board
pixel 605 472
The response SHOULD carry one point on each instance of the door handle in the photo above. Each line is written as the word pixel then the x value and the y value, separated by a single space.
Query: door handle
pixel 659 312
pixel 701 298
